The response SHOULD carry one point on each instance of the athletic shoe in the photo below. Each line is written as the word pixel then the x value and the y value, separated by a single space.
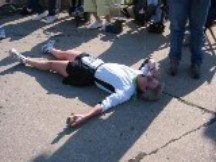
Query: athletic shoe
pixel 95 25
pixel 17 56
pixel 46 48
pixel 40 16
pixel 50 19
pixel 173 67
pixel 105 24
pixel 195 71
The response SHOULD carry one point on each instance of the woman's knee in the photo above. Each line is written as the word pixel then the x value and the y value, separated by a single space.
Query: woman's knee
pixel 73 52
pixel 59 67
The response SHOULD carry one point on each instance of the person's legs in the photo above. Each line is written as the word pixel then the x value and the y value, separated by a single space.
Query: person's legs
pixel 91 7
pixel 48 48
pixel 58 66
pixel 108 19
pixel 103 9
pixel 36 6
pixel 197 19
pixel 52 7
pixel 72 7
pixel 80 3
pixel 97 18
pixel 178 14
pixel 65 55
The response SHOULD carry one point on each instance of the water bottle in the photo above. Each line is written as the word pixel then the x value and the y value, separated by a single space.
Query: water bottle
pixel 2 32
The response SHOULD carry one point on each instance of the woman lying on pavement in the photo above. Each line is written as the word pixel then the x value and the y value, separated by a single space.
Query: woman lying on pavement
pixel 82 69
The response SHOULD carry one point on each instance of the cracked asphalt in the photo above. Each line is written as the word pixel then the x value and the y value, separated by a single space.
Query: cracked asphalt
pixel 34 104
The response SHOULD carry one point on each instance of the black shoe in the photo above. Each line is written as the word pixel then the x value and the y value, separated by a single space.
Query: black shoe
pixel 195 71
pixel 25 11
pixel 71 11
pixel 173 67
pixel 157 28
pixel 115 28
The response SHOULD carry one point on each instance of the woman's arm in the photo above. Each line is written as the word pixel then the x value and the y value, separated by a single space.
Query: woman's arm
pixel 77 119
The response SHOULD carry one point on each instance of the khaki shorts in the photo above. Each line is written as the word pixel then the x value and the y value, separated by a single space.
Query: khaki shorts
pixel 102 7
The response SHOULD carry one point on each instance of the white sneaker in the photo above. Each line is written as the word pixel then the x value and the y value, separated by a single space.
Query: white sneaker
pixel 105 23
pixel 17 56
pixel 95 25
pixel 50 19
pixel 46 48
pixel 40 16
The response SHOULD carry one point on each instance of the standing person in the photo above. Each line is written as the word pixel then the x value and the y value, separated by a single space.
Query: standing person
pixel 41 12
pixel 179 12
pixel 75 5
pixel 81 69
pixel 211 14
pixel 99 8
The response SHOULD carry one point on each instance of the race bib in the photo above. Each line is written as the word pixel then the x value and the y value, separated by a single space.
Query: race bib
pixel 92 62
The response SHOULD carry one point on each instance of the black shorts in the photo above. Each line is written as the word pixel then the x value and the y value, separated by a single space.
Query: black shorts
pixel 79 74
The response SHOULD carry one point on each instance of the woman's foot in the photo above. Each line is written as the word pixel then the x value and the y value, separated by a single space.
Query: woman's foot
pixel 95 25
pixel 40 16
pixel 50 19
pixel 17 56
pixel 46 48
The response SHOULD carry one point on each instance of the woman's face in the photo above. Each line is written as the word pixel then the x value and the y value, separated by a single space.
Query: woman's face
pixel 142 83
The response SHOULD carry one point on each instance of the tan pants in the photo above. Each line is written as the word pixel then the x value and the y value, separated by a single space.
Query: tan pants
pixel 101 7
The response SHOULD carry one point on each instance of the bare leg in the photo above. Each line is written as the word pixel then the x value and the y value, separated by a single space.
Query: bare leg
pixel 55 66
pixel 108 18
pixel 65 55
pixel 97 18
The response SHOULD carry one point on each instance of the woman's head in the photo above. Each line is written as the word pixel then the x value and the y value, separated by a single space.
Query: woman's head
pixel 149 88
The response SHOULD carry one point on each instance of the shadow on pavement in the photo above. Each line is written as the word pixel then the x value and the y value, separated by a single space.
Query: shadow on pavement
pixel 211 48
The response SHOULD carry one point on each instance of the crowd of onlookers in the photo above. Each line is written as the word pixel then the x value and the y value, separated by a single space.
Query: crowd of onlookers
pixel 151 12
pixel 140 10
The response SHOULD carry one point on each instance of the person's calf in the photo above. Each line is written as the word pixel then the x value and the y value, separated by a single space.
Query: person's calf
pixel 40 15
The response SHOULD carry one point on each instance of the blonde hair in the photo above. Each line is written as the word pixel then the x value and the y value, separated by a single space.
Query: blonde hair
pixel 153 94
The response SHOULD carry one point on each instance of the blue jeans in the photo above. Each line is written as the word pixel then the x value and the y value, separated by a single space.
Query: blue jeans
pixel 38 8
pixel 180 11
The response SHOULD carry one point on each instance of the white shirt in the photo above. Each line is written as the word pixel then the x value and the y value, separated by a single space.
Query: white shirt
pixel 120 77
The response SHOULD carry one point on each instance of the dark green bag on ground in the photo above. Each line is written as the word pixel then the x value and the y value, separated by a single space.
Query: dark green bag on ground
pixel 8 9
